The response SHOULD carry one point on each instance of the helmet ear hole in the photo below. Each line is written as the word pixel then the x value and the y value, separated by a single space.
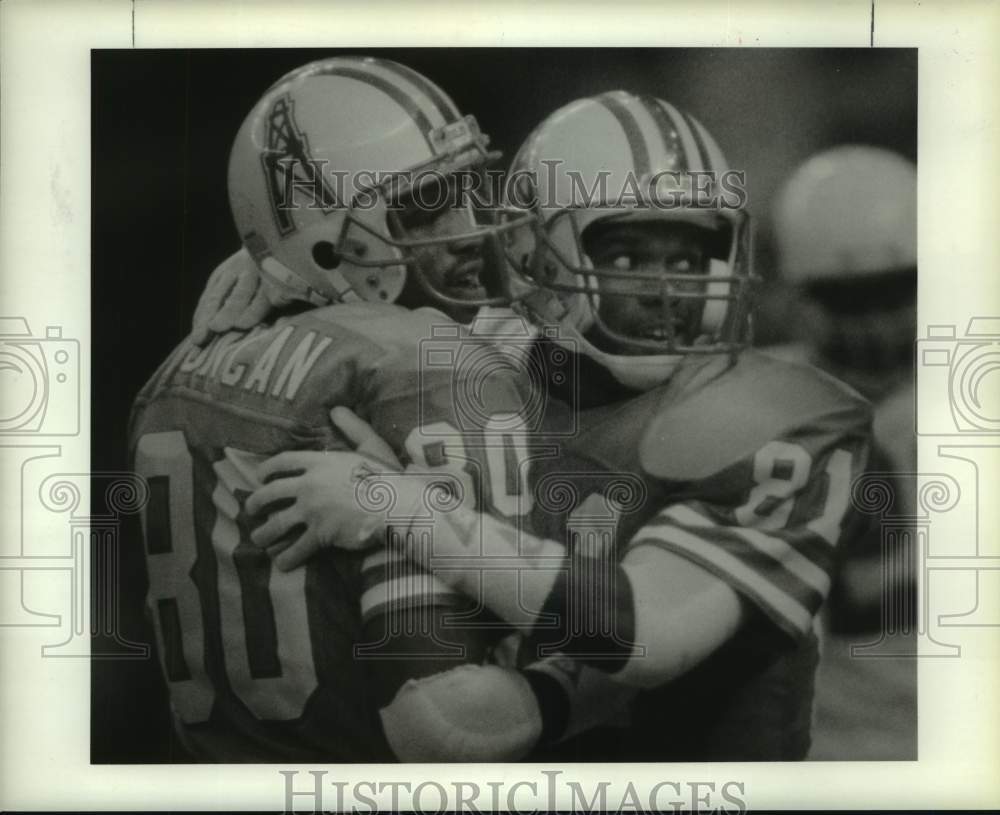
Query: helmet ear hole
pixel 325 255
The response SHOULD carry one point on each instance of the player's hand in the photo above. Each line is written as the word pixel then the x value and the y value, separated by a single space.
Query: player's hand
pixel 309 486
pixel 234 297
pixel 319 496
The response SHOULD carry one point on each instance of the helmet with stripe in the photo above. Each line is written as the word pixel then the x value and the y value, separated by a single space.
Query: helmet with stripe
pixel 318 169
pixel 619 157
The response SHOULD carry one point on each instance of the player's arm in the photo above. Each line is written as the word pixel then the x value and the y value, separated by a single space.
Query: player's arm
pixel 759 542
pixel 435 699
pixel 760 538
pixel 678 611
pixel 689 577
pixel 653 616
pixel 683 611
pixel 693 574
pixel 425 673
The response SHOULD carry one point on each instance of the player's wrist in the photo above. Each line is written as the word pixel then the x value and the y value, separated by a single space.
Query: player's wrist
pixel 592 604
pixel 429 521
pixel 553 699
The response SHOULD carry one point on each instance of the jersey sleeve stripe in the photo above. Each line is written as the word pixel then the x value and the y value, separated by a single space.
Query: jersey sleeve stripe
pixel 377 558
pixel 793 560
pixel 405 592
pixel 411 609
pixel 803 568
pixel 789 613
pixel 393 569
pixel 773 571
pixel 683 514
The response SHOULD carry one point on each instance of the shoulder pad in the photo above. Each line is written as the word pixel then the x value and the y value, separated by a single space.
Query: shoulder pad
pixel 720 414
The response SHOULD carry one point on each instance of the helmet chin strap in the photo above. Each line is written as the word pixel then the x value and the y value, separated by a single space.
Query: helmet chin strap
pixel 640 373
pixel 716 308
pixel 284 284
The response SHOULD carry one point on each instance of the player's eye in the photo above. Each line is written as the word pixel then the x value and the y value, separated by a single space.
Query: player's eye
pixel 623 263
pixel 419 209
pixel 683 263
pixel 418 219
pixel 415 216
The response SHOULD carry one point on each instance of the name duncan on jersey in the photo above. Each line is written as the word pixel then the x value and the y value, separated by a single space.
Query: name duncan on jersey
pixel 219 360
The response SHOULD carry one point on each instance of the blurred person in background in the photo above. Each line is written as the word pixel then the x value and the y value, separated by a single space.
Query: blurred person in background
pixel 846 230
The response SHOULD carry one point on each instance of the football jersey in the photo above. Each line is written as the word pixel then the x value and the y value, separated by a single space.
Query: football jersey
pixel 262 665
pixel 745 468
pixel 855 603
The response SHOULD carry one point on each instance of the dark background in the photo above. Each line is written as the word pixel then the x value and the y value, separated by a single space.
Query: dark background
pixel 162 125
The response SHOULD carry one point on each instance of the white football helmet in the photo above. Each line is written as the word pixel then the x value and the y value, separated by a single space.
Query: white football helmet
pixel 609 143
pixel 848 213
pixel 846 231
pixel 320 162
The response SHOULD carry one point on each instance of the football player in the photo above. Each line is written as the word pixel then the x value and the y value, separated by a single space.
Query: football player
pixel 261 664
pixel 846 229
pixel 721 548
